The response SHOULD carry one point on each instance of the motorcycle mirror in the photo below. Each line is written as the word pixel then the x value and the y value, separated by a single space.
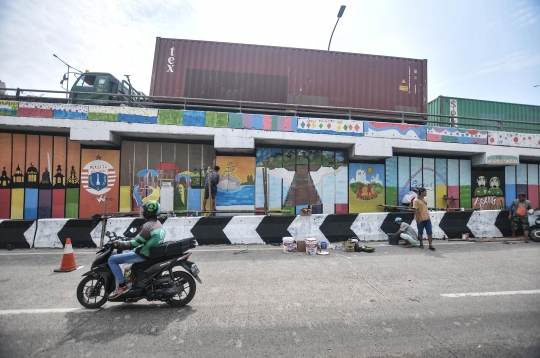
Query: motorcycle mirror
pixel 107 233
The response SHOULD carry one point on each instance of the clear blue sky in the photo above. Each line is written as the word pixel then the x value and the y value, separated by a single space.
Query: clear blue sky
pixel 477 49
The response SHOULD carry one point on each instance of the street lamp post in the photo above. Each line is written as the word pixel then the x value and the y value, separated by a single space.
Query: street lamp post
pixel 66 78
pixel 340 13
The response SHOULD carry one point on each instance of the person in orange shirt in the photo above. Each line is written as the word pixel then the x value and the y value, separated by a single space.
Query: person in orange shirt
pixel 423 221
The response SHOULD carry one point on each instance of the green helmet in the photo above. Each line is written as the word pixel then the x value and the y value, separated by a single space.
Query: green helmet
pixel 150 208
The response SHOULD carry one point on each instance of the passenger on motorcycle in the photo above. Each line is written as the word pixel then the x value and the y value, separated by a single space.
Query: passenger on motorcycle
pixel 152 234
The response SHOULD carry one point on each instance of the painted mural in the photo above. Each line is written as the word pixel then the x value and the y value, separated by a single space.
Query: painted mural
pixel 456 135
pixel 488 189
pixel 171 173
pixel 522 178
pixel 39 177
pixel 330 126
pixel 394 130
pixel 301 178
pixel 444 190
pixel 514 139
pixel 99 187
pixel 366 187
pixel 236 188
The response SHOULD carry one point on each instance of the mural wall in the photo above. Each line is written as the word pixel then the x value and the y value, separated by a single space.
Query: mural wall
pixel 301 178
pixel 171 173
pixel 39 177
pixel 236 188
pixel 99 181
pixel 522 178
pixel 366 187
pixel 488 189
pixel 448 181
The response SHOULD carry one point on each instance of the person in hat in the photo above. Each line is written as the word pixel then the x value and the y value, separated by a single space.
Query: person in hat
pixel 518 216
pixel 423 221
pixel 406 232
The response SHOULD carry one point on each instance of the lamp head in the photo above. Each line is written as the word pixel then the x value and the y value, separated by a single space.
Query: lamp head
pixel 341 11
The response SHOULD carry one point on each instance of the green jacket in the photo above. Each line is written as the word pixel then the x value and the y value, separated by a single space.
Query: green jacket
pixel 152 234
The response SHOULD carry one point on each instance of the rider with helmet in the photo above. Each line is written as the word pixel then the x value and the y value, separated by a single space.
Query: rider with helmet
pixel 152 233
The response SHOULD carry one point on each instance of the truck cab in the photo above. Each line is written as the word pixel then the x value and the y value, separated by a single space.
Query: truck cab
pixel 102 86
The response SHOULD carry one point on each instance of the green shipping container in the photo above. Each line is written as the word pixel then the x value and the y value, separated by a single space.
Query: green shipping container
pixel 519 118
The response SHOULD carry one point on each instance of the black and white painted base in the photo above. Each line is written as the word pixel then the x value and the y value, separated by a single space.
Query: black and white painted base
pixel 256 229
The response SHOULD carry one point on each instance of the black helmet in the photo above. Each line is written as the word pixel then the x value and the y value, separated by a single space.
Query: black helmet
pixel 150 208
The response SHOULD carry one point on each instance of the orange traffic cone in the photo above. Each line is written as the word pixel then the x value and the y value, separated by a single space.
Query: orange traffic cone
pixel 68 260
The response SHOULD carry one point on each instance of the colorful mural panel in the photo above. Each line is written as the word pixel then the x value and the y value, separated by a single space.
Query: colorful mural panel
pixel 137 115
pixel 31 178
pixel 103 113
pixel 168 172
pixel 366 187
pixel 394 130
pixel 488 189
pixel 392 181
pixel 456 135
pixel 299 178
pixel 52 110
pixel 73 170
pixel 99 184
pixel 514 139
pixel 9 108
pixel 170 116
pixel 330 126
pixel 236 188
pixel 6 142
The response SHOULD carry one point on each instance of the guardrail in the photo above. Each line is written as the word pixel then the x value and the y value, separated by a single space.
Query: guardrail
pixel 287 109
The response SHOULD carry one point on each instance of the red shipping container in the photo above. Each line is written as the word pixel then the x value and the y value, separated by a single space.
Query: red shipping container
pixel 240 72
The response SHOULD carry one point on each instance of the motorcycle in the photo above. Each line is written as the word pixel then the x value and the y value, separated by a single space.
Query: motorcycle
pixel 534 231
pixel 168 277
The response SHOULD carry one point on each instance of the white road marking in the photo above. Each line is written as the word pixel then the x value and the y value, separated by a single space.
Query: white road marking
pixel 501 293
pixel 47 310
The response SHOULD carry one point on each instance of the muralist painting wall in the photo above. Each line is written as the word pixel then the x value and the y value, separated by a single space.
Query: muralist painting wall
pixel 39 177
pixel 299 178
pixel 168 172
pixel 443 178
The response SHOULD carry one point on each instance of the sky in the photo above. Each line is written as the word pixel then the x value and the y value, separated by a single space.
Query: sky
pixel 479 49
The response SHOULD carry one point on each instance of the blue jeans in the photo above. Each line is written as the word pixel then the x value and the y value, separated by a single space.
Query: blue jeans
pixel 425 224
pixel 127 258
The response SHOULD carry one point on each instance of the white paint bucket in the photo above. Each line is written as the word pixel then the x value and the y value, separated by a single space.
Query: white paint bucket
pixel 288 244
pixel 311 246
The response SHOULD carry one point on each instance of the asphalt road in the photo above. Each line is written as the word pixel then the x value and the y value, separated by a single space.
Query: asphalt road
pixel 264 303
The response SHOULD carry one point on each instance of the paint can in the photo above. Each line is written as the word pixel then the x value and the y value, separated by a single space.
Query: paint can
pixel 324 245
pixel 288 244
pixel 465 236
pixel 311 246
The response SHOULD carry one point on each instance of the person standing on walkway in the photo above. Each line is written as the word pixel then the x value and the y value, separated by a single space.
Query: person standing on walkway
pixel 423 221
pixel 518 215
pixel 211 181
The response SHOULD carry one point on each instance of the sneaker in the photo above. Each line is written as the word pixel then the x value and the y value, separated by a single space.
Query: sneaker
pixel 119 291
pixel 421 246
pixel 431 248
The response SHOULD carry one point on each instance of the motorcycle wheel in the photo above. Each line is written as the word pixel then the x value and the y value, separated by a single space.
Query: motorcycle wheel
pixel 185 287
pixel 534 235
pixel 87 297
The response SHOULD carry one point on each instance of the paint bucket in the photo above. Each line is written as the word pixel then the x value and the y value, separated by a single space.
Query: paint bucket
pixel 465 236
pixel 324 245
pixel 288 244
pixel 311 246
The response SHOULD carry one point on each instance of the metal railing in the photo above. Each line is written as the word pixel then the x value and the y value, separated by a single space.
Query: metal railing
pixel 268 108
